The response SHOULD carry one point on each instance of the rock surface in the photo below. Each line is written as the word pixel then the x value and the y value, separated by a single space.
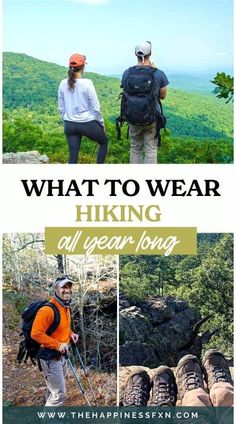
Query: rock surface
pixel 158 331
pixel 134 324
pixel 25 157
pixel 137 353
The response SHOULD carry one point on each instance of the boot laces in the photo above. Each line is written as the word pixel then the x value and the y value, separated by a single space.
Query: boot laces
pixel 136 394
pixel 192 379
pixel 163 394
pixel 219 374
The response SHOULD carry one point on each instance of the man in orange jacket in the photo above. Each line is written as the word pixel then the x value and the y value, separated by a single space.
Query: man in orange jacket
pixel 52 360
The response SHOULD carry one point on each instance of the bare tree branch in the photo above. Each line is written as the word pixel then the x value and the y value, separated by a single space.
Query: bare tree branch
pixel 27 244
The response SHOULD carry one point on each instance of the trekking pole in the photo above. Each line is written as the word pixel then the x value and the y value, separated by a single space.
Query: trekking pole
pixel 84 370
pixel 76 377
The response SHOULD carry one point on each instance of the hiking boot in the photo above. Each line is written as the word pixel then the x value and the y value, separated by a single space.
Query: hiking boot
pixel 137 389
pixel 189 375
pixel 216 368
pixel 164 389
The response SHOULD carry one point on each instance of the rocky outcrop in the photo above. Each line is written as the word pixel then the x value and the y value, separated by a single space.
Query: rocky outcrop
pixel 137 353
pixel 161 309
pixel 158 331
pixel 25 157
pixel 134 324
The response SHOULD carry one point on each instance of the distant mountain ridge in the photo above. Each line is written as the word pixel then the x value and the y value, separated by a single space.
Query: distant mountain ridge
pixel 39 79
pixel 195 83
pixel 199 83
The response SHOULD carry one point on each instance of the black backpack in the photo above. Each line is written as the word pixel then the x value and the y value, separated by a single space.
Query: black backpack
pixel 29 348
pixel 139 100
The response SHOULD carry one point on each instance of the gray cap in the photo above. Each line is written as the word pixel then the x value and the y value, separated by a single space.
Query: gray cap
pixel 62 281
pixel 143 49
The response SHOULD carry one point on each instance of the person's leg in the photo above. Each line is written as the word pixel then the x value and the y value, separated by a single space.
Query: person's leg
pixel 54 374
pixel 95 131
pixel 137 389
pixel 136 143
pixel 150 144
pixel 222 394
pixel 164 390
pixel 220 384
pixel 189 380
pixel 73 140
pixel 191 389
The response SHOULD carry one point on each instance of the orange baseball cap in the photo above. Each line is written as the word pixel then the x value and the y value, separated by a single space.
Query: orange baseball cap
pixel 77 60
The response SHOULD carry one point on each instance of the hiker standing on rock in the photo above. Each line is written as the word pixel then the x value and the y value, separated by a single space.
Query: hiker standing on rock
pixel 51 358
pixel 144 85
pixel 80 109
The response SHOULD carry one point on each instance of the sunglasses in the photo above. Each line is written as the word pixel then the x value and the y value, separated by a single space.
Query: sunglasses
pixel 64 277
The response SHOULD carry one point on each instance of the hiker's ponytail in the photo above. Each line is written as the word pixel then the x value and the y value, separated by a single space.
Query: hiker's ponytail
pixel 141 59
pixel 71 74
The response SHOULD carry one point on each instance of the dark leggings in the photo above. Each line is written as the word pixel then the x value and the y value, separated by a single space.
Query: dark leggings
pixel 93 130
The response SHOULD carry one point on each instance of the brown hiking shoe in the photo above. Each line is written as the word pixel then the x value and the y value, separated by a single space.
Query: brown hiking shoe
pixel 189 375
pixel 164 389
pixel 216 368
pixel 137 389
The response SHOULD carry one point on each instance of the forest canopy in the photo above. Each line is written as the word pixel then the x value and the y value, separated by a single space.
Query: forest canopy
pixel 199 126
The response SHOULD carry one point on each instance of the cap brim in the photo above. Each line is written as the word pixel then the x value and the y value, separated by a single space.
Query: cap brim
pixel 63 283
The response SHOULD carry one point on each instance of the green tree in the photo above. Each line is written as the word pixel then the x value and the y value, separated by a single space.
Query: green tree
pixel 224 86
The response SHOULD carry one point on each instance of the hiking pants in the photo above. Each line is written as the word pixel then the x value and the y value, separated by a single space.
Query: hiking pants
pixel 93 130
pixel 221 394
pixel 143 144
pixel 55 373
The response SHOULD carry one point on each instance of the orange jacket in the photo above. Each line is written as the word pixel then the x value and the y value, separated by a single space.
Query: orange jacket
pixel 44 318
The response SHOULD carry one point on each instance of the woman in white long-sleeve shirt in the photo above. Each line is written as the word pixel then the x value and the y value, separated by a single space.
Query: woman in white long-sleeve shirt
pixel 80 109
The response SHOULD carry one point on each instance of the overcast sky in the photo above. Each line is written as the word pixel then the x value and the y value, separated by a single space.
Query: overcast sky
pixel 187 35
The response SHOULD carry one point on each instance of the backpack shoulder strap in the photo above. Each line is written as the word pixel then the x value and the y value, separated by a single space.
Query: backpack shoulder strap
pixel 131 68
pixel 129 71
pixel 57 318
pixel 151 71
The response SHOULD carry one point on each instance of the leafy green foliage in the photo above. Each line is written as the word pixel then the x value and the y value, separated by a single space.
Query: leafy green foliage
pixel 199 126
pixel 224 86
pixel 204 280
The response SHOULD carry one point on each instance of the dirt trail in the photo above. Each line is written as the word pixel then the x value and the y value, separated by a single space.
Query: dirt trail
pixel 23 385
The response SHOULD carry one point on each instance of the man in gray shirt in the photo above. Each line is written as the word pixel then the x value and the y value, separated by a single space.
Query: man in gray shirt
pixel 144 139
